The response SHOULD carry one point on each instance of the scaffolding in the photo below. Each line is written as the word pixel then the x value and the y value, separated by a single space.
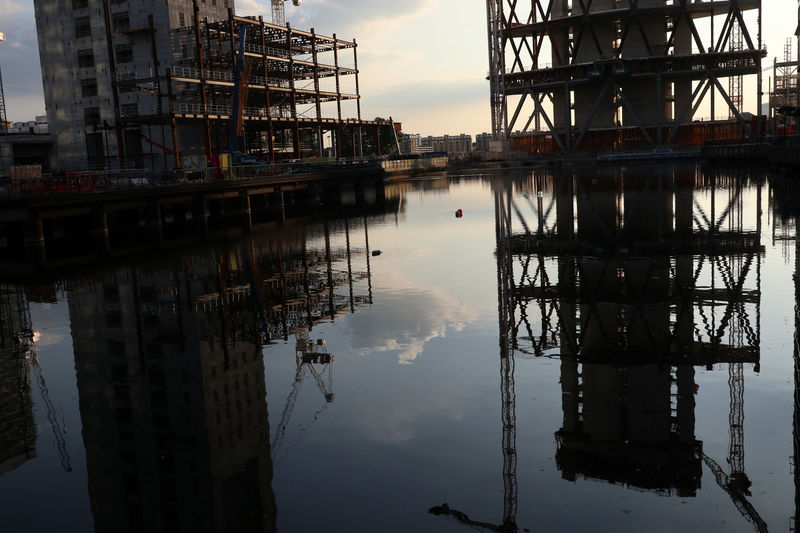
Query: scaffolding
pixel 784 90
pixel 573 74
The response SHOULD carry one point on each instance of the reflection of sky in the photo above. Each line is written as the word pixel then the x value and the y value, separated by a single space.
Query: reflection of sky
pixel 405 318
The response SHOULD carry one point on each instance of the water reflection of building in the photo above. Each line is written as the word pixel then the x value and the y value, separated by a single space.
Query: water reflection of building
pixel 633 279
pixel 172 380
pixel 172 403
pixel 17 429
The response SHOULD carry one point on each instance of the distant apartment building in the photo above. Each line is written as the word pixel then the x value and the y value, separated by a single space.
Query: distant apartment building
pixel 410 144
pixel 482 141
pixel 454 145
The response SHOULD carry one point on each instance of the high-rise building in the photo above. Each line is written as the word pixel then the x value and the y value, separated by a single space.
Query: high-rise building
pixel 86 48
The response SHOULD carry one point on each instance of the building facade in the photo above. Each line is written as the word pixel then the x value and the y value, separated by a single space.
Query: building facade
pixel 454 145
pixel 87 48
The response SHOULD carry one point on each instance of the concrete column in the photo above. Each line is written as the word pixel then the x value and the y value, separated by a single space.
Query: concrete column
pixel 35 250
pixel 565 212
pixel 200 213
pixel 245 214
pixel 282 219
pixel 100 231
pixel 154 224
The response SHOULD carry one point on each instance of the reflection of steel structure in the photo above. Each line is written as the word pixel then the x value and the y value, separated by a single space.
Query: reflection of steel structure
pixel 595 74
pixel 17 429
pixel 632 280
pixel 294 286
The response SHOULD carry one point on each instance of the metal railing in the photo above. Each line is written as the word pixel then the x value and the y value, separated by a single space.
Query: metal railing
pixel 216 109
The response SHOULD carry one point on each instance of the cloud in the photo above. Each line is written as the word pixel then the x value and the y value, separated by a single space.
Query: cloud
pixel 429 93
pixel 19 61
pixel 406 318
pixel 339 15
pixel 13 7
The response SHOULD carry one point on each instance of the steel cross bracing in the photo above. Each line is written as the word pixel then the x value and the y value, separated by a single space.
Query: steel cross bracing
pixel 580 52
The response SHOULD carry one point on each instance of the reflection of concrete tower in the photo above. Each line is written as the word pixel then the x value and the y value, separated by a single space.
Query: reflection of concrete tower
pixel 609 282
pixel 17 430
pixel 173 405
pixel 628 416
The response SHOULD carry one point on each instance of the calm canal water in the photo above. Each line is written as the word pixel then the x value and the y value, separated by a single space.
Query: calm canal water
pixel 608 350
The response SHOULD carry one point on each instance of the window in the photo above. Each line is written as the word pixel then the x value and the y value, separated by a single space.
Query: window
pixel 124 53
pixel 80 4
pixel 85 59
pixel 91 116
pixel 89 87
pixel 83 27
pixel 184 51
pixel 121 21
pixel 130 110
pixel 182 19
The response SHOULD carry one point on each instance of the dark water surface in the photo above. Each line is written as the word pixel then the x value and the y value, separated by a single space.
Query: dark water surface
pixel 611 350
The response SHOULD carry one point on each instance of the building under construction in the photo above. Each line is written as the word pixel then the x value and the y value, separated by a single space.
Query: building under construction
pixel 571 75
pixel 132 84
pixel 783 92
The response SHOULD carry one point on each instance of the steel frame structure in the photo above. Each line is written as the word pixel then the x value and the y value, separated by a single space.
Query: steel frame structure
pixel 614 54
pixel 282 73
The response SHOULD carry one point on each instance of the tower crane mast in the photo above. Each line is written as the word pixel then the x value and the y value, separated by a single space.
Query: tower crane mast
pixel 3 115
pixel 279 12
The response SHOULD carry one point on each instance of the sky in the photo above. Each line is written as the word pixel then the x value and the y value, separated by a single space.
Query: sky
pixel 423 62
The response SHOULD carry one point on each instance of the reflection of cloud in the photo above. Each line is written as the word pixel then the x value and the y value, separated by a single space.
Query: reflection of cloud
pixel 10 7
pixel 403 321
pixel 44 338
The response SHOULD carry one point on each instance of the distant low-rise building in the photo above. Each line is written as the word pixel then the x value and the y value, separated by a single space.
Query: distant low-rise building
pixel 454 145
pixel 410 144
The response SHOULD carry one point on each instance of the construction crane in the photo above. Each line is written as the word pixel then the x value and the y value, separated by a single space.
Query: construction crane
pixel 509 443
pixel 508 414
pixel 24 345
pixel 3 115
pixel 737 492
pixel 309 356
pixel 279 13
